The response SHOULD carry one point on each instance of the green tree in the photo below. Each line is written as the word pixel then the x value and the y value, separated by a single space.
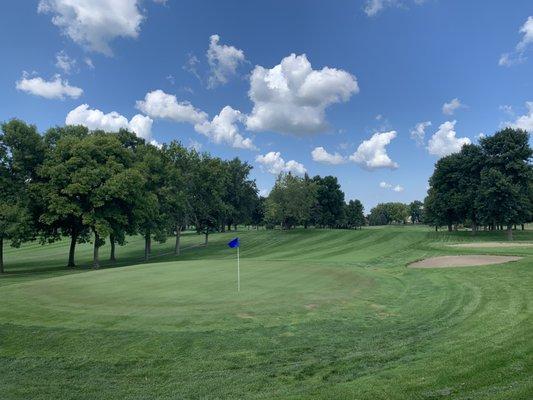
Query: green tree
pixel 330 201
pixel 21 153
pixel 240 193
pixel 208 193
pixel 354 214
pixel 416 209
pixel 87 184
pixel 290 201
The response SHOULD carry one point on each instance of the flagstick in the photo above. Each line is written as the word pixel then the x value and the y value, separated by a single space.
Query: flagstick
pixel 238 272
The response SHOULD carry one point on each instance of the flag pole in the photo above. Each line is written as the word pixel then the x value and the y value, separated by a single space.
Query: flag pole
pixel 238 271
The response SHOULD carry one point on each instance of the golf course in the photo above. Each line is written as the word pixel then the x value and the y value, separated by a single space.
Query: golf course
pixel 321 313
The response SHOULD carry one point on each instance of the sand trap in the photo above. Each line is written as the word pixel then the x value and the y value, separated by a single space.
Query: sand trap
pixel 486 245
pixel 461 261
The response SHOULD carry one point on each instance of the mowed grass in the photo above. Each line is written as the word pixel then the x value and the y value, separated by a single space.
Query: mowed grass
pixel 321 314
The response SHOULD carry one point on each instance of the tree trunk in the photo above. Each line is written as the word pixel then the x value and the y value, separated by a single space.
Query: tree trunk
pixel 1 255
pixel 523 227
pixel 229 226
pixel 474 229
pixel 509 232
pixel 96 260
pixel 72 250
pixel 450 227
pixel 147 246
pixel 177 246
pixel 206 237
pixel 436 228
pixel 112 242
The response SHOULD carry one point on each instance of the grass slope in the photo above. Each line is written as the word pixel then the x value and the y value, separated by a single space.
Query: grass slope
pixel 321 314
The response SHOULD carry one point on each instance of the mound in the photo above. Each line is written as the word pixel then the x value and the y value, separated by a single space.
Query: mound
pixel 483 245
pixel 461 261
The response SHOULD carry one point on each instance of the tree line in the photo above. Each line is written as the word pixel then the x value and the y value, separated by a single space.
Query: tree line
pixel 489 185
pixel 96 186
pixel 305 201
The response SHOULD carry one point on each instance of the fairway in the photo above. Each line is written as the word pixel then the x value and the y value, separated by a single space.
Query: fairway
pixel 321 314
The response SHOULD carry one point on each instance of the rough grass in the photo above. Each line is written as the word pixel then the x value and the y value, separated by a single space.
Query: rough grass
pixel 322 314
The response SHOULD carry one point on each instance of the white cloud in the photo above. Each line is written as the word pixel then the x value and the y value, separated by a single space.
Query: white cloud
pixel 319 154
pixel 158 104
pixel 223 61
pixel 195 145
pixel 223 129
pixel 372 153
pixel 389 186
pixel 517 56
pixel 374 7
pixel 55 88
pixel 93 24
pixel 89 62
pixel 292 97
pixel 418 133
pixel 275 164
pixel 451 107
pixel 525 121
pixel 397 188
pixel 95 119
pixel 444 141
pixel 191 66
pixel 64 62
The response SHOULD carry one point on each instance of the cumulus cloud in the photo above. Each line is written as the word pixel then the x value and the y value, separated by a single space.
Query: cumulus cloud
pixel 158 104
pixel 518 55
pixel 95 119
pixel 275 164
pixel 452 106
pixel 223 129
pixel 372 153
pixel 55 88
pixel 525 121
pixel 385 185
pixel 64 62
pixel 374 7
pixel 89 62
pixel 418 133
pixel 93 24
pixel 319 154
pixel 397 188
pixel 223 61
pixel 292 97
pixel 444 141
pixel 191 66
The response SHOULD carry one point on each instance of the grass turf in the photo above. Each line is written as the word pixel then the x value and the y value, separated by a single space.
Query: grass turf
pixel 321 314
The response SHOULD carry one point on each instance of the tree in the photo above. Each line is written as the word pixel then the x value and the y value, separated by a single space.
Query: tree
pixel 290 201
pixel 179 189
pixel 354 214
pixel 416 211
pixel 330 201
pixel 258 213
pixel 150 206
pixel 87 184
pixel 209 186
pixel 387 213
pixel 21 153
pixel 508 161
pixel 240 193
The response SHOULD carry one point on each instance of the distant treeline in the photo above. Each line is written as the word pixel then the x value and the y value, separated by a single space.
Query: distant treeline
pixel 488 185
pixel 97 186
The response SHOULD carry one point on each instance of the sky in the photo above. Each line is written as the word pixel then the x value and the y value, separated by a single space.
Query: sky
pixel 371 91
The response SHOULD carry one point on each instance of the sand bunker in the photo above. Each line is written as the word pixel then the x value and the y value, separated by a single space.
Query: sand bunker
pixel 461 261
pixel 489 245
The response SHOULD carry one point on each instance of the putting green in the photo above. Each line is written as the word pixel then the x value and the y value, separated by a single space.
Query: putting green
pixel 321 314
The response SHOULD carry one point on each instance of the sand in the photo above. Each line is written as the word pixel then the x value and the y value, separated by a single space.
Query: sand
pixel 485 245
pixel 461 261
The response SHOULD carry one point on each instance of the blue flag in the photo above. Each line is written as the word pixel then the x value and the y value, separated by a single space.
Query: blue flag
pixel 234 243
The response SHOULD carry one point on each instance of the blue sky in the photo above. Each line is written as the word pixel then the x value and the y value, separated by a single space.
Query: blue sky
pixel 363 75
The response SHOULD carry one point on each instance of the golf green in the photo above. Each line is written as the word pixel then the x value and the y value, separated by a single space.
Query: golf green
pixel 331 314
